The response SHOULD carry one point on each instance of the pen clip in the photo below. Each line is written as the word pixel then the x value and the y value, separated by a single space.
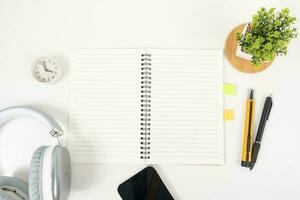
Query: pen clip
pixel 270 107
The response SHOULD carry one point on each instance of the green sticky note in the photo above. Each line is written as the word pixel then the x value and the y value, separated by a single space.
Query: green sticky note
pixel 229 89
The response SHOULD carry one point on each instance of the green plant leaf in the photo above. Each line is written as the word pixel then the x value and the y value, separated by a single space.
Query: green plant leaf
pixel 269 34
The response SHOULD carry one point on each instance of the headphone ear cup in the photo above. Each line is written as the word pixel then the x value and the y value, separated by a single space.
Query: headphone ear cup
pixel 50 173
pixel 61 163
pixel 35 174
pixel 12 188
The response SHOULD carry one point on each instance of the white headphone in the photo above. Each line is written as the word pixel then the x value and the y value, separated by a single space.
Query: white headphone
pixel 50 168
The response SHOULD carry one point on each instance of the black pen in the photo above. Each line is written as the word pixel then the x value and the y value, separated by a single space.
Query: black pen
pixel 263 120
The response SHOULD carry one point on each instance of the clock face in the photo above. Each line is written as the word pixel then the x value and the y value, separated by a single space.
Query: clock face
pixel 46 70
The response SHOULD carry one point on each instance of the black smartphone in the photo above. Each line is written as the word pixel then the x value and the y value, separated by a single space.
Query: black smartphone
pixel 145 185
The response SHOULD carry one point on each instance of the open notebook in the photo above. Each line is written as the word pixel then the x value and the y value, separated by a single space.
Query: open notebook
pixel 147 106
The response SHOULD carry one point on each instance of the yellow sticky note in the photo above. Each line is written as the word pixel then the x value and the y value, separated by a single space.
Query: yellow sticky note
pixel 228 114
pixel 229 89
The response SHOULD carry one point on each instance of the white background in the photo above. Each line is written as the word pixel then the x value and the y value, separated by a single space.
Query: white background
pixel 33 28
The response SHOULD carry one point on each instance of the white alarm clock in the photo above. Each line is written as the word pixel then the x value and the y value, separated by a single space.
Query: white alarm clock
pixel 47 70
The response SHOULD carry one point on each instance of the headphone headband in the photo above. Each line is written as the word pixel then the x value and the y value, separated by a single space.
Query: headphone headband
pixel 10 113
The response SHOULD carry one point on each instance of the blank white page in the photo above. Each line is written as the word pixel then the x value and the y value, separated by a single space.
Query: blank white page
pixel 187 107
pixel 105 106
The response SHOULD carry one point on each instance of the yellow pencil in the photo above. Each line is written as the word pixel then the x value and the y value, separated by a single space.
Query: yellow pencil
pixel 248 130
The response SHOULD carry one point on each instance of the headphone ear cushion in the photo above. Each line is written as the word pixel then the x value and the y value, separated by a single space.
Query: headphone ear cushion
pixel 12 188
pixel 35 174
pixel 5 196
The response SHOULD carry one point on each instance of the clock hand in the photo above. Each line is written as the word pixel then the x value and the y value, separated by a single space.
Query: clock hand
pixel 45 67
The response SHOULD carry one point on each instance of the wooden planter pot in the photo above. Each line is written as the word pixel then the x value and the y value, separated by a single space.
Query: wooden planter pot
pixel 240 64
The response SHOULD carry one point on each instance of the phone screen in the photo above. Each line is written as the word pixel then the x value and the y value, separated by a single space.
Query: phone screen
pixel 145 185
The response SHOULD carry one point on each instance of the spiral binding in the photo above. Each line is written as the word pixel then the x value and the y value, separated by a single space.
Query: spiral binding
pixel 145 105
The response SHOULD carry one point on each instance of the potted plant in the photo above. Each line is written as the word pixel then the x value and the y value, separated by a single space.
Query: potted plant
pixel 266 36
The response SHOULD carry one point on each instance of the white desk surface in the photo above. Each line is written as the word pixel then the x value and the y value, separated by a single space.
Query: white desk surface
pixel 31 28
